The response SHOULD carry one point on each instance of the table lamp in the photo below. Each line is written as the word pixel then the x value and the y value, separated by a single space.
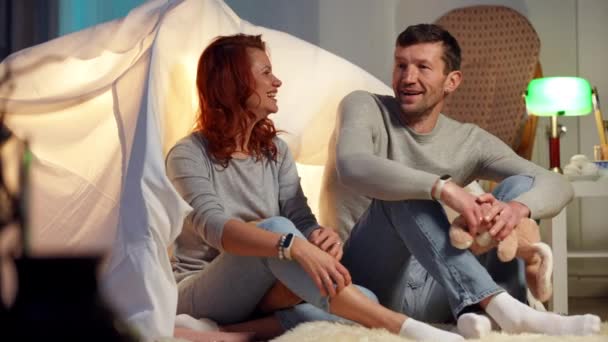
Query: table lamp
pixel 558 96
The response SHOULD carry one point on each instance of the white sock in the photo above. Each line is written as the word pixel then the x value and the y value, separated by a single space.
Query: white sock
pixel 420 331
pixel 474 326
pixel 515 317
pixel 189 322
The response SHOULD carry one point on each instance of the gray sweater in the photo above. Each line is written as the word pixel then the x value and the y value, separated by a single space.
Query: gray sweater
pixel 247 190
pixel 373 155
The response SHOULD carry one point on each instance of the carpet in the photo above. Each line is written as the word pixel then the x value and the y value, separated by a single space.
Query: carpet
pixel 334 332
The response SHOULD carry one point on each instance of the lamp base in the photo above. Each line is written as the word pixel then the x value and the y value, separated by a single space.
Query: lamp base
pixel 554 160
pixel 556 132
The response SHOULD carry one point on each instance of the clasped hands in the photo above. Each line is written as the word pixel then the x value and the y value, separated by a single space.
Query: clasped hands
pixel 320 257
pixel 484 211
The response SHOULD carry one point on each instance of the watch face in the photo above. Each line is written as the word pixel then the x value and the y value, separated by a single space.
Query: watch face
pixel 288 239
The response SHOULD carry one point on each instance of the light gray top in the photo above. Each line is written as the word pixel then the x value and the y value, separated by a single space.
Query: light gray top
pixel 374 155
pixel 247 190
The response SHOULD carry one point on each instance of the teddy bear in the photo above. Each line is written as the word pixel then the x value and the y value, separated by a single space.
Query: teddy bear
pixel 524 242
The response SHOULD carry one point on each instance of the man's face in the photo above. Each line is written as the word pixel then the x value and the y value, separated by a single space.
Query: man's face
pixel 419 80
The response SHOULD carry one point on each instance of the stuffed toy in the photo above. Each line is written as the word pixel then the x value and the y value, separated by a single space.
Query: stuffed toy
pixel 523 242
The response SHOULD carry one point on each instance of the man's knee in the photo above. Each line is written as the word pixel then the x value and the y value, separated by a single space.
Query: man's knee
pixel 412 207
pixel 512 187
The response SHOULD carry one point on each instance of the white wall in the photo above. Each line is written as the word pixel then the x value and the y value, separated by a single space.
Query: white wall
pixel 573 42
pixel 361 31
pixel 297 17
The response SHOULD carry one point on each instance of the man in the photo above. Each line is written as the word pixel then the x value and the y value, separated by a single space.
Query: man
pixel 404 156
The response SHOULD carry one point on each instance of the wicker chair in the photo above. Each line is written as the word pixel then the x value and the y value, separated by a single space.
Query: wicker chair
pixel 500 50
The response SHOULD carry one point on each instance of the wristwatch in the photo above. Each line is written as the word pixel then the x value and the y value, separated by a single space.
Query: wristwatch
pixel 436 194
pixel 285 243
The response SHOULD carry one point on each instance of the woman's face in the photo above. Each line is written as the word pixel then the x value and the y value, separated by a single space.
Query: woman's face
pixel 264 99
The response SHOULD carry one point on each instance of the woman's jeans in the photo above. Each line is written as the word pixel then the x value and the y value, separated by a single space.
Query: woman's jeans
pixel 401 251
pixel 230 287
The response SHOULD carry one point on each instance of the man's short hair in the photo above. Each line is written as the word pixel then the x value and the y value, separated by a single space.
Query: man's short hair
pixel 431 33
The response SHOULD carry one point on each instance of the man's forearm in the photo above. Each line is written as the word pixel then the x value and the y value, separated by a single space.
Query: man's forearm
pixel 382 178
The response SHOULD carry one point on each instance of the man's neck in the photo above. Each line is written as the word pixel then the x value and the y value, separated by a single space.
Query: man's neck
pixel 421 124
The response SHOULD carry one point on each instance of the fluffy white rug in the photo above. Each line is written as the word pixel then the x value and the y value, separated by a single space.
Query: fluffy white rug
pixel 332 332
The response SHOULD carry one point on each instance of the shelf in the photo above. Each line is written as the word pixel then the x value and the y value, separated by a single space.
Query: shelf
pixel 596 188
pixel 588 254
pixel 558 237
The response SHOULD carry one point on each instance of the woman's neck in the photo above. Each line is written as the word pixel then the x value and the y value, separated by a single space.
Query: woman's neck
pixel 242 143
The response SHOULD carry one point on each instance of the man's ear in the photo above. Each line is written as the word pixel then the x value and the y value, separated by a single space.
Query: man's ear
pixel 452 81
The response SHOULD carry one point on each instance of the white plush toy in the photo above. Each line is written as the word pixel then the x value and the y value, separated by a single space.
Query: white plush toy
pixel 581 166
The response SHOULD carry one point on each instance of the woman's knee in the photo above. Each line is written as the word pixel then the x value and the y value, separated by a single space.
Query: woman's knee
pixel 369 294
pixel 279 224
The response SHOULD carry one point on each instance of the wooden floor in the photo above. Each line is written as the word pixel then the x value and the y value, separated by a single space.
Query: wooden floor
pixel 597 305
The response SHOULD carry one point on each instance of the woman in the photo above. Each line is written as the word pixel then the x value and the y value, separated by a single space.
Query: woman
pixel 233 170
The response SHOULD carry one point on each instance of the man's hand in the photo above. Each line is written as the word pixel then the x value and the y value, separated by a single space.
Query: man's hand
pixel 504 217
pixel 328 240
pixel 463 203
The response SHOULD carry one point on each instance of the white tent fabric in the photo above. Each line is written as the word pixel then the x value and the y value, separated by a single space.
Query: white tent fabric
pixel 102 106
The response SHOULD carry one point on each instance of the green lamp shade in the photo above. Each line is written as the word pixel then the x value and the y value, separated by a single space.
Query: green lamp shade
pixel 559 96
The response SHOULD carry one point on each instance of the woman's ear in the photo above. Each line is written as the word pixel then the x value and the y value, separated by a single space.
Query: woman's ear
pixel 452 81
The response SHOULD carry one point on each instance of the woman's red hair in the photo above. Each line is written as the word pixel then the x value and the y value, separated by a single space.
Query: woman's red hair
pixel 225 82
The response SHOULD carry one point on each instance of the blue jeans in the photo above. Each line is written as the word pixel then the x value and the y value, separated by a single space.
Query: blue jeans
pixel 230 287
pixel 401 251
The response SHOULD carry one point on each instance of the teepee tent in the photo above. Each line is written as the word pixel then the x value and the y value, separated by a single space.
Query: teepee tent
pixel 101 107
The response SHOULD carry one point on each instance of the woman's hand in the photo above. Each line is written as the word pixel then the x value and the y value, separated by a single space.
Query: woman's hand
pixel 327 272
pixel 328 240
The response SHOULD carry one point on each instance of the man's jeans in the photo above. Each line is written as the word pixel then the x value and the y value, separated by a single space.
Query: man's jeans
pixel 400 250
